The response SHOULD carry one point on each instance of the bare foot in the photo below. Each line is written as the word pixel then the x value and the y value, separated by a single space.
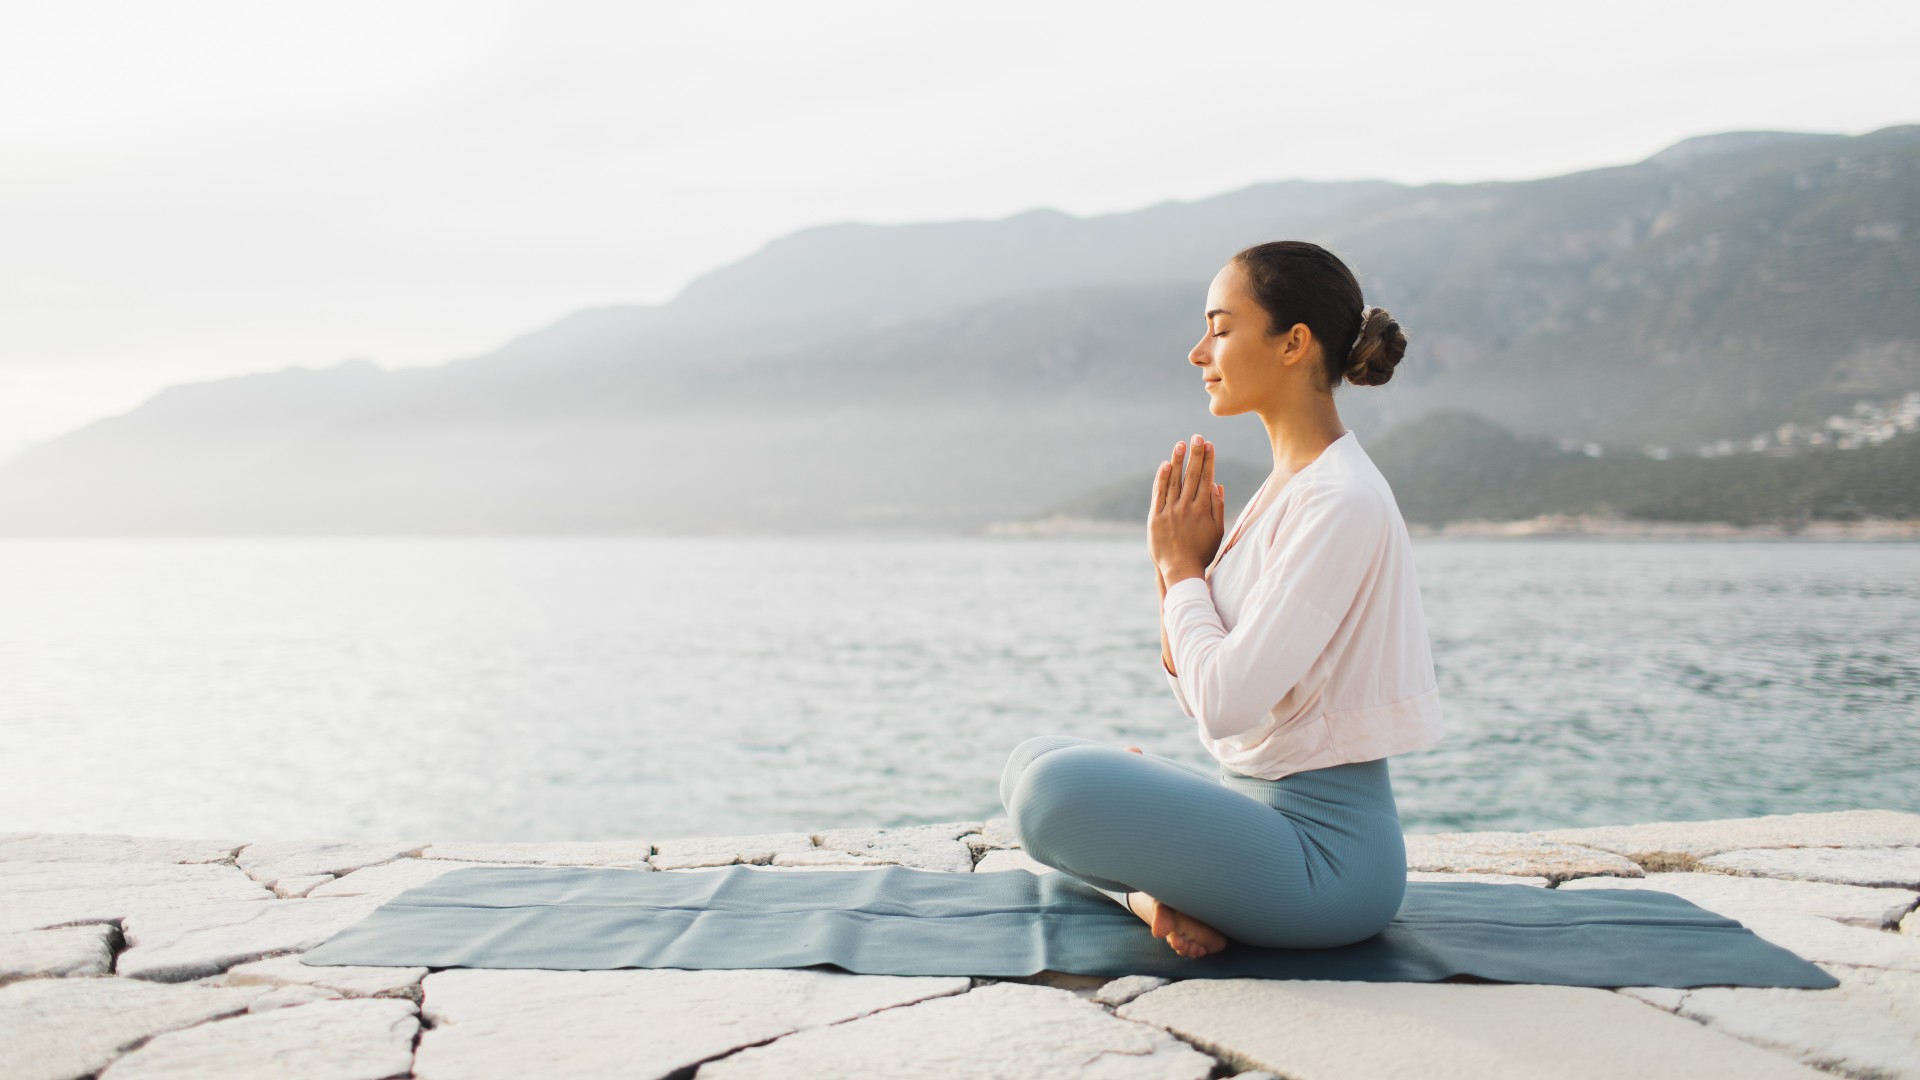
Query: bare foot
pixel 1186 935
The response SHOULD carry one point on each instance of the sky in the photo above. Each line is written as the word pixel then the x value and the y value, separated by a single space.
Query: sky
pixel 195 190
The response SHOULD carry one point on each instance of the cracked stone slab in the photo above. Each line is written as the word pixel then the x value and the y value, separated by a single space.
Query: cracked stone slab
pixel 924 847
pixel 1824 940
pixel 1513 853
pixel 113 847
pixel 634 1022
pixel 1680 845
pixel 322 1040
pixel 1873 867
pixel 175 946
pixel 1127 987
pixel 1490 879
pixel 276 860
pixel 996 834
pixel 1005 1029
pixel 1895 993
pixel 1001 859
pixel 699 851
pixel 1829 1030
pixel 388 880
pixel 34 895
pixel 347 980
pixel 60 953
pixel 59 1029
pixel 293 888
pixel 623 853
pixel 1314 1029
pixel 825 857
pixel 281 997
pixel 1739 897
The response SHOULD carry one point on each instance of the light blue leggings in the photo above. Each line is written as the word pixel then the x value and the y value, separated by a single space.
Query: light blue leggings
pixel 1312 860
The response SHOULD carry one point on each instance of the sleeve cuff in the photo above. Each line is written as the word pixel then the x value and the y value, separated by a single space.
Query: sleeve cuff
pixel 1193 588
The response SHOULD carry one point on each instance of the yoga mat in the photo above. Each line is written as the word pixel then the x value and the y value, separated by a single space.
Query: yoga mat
pixel 896 920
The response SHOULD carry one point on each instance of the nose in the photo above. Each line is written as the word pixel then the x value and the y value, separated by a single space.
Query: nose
pixel 1198 357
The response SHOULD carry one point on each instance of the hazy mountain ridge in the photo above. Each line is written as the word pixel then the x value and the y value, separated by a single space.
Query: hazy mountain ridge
pixel 943 375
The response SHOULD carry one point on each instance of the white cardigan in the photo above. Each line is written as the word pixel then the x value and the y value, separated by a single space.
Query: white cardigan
pixel 1306 645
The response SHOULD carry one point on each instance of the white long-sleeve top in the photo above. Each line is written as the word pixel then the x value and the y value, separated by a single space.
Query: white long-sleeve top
pixel 1306 645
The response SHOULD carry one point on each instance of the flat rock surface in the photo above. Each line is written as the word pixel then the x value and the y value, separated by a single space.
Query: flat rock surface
pixel 34 895
pixel 926 847
pixel 995 834
pixel 1512 853
pixel 701 851
pixel 388 880
pixel 1739 897
pixel 1826 941
pixel 1679 845
pixel 113 847
pixel 70 950
pixel 1122 990
pixel 1320 1030
pixel 635 1022
pixel 59 1029
pixel 626 853
pixel 1873 867
pixel 275 860
pixel 321 1040
pixel 1486 879
pixel 175 946
pixel 347 980
pixel 1004 1029
pixel 1835 1030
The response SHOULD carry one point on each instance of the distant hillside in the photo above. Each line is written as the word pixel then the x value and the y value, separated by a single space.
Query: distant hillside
pixel 1453 466
pixel 944 375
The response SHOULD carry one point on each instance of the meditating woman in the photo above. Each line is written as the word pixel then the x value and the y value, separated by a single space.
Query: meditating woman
pixel 1299 650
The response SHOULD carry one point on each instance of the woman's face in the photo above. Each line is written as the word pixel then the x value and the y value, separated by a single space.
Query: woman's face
pixel 1242 366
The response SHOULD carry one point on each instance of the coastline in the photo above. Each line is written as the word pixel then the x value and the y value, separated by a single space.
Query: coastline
pixel 1572 526
pixel 125 957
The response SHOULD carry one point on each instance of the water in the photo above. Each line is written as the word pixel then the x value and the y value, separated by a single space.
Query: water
pixel 646 688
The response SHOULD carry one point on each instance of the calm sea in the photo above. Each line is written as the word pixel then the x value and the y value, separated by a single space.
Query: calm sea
pixel 523 688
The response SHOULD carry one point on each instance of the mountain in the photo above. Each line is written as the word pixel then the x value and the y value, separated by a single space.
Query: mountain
pixel 944 375
pixel 1454 466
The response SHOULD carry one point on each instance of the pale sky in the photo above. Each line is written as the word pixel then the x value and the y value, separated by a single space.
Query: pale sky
pixel 191 190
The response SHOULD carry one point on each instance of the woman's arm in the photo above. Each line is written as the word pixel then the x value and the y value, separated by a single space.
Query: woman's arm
pixel 1166 648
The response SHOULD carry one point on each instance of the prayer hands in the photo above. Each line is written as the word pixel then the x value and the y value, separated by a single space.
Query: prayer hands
pixel 1187 519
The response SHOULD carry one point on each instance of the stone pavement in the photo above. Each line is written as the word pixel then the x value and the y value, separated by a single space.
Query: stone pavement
pixel 130 958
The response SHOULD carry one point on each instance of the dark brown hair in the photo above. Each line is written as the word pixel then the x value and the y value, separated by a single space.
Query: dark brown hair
pixel 1301 282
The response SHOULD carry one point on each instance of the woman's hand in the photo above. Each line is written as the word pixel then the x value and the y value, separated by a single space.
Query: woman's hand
pixel 1188 516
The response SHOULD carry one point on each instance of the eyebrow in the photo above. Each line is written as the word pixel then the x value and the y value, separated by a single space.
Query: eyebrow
pixel 1218 311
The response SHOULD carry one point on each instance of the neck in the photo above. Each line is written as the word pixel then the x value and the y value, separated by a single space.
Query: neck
pixel 1300 429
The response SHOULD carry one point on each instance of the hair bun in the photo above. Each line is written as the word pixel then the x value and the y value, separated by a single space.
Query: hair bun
pixel 1376 349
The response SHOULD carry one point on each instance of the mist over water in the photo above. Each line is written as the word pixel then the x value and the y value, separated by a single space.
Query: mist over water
pixel 653 688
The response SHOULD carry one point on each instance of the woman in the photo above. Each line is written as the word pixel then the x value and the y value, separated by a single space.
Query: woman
pixel 1300 650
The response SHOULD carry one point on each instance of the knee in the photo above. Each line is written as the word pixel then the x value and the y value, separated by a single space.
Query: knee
pixel 1025 757
pixel 1055 779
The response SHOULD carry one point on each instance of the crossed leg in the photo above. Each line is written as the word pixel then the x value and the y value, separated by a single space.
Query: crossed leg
pixel 1122 822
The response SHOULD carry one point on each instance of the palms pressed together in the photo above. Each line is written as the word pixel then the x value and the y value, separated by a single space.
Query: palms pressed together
pixel 1187 935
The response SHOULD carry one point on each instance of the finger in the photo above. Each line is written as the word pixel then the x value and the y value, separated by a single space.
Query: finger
pixel 1177 487
pixel 1206 474
pixel 1219 505
pixel 1159 498
pixel 1192 492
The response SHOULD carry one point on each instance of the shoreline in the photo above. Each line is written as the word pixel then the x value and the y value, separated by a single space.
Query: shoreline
pixel 125 957
pixel 1547 526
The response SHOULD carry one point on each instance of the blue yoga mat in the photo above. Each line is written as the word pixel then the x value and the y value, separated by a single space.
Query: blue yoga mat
pixel 895 920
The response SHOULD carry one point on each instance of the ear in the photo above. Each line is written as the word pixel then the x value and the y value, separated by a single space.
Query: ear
pixel 1294 345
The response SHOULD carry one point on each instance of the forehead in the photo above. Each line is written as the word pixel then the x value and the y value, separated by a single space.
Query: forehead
pixel 1225 288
